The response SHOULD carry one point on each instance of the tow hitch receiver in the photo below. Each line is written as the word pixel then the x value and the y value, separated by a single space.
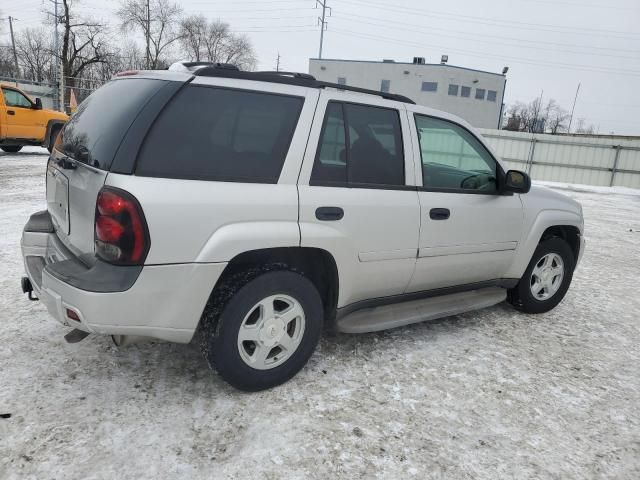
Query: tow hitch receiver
pixel 28 288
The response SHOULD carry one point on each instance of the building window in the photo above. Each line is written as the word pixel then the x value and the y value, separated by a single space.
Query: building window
pixel 465 91
pixel 429 86
pixel 491 95
pixel 342 80
pixel 453 89
pixel 384 85
pixel 480 93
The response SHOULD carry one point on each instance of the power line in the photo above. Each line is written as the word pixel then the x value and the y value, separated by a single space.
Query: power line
pixel 485 55
pixel 581 5
pixel 491 21
pixel 385 22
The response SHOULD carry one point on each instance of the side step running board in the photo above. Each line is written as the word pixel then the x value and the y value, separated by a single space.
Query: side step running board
pixel 399 314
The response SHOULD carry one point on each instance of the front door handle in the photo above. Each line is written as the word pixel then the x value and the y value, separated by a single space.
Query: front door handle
pixel 10 112
pixel 439 213
pixel 329 214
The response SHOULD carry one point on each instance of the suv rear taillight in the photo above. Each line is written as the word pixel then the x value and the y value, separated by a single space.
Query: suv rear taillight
pixel 121 233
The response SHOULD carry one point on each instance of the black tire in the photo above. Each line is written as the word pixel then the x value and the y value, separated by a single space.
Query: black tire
pixel 11 148
pixel 52 137
pixel 232 301
pixel 521 296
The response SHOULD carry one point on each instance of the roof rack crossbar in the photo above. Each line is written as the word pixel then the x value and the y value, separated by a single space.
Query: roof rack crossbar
pixel 292 78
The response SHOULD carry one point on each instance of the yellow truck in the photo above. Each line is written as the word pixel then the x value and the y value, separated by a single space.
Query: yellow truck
pixel 23 121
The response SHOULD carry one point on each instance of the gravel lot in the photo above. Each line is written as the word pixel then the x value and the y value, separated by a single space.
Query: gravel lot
pixel 485 395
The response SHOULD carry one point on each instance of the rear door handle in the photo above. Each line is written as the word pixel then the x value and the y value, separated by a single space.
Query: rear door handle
pixel 439 213
pixel 10 112
pixel 329 214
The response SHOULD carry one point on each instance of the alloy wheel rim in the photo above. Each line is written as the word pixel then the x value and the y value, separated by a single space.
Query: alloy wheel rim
pixel 546 276
pixel 271 332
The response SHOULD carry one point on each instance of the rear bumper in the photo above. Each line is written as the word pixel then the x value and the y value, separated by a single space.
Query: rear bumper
pixel 161 301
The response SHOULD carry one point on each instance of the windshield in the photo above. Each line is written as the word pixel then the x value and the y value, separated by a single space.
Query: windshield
pixel 94 132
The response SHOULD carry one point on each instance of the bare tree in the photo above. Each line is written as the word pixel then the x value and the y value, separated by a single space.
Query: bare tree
pixel 83 45
pixel 556 117
pixel 536 117
pixel 214 42
pixel 238 50
pixel 162 27
pixel 583 128
pixel 34 47
pixel 193 34
pixel 7 65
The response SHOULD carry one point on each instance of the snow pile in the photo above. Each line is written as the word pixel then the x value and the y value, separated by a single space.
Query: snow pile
pixel 485 395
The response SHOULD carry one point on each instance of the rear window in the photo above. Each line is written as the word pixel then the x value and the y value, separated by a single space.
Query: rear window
pixel 94 132
pixel 210 133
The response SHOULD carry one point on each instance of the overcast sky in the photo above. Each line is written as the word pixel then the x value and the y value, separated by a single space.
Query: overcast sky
pixel 548 45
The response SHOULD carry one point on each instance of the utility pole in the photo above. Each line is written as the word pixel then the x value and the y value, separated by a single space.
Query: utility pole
pixel 573 108
pixel 58 98
pixel 148 34
pixel 322 21
pixel 13 44
pixel 278 63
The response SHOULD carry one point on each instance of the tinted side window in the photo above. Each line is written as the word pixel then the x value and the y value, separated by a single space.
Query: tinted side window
pixel 367 151
pixel 330 165
pixel 220 134
pixel 452 158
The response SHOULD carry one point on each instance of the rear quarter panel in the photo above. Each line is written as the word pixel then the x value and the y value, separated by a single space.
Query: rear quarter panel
pixel 210 221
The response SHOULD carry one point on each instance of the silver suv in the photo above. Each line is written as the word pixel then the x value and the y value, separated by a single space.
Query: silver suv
pixel 258 208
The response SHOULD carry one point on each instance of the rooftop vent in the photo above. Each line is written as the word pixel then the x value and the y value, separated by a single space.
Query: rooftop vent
pixel 418 60
pixel 388 60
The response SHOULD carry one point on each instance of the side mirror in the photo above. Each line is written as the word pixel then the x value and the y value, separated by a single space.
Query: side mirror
pixel 517 182
pixel 38 104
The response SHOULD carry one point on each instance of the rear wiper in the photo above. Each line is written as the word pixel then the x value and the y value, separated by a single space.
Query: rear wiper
pixel 66 163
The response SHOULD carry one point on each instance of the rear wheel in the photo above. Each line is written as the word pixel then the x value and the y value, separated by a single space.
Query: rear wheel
pixel 266 330
pixel 547 278
pixel 11 148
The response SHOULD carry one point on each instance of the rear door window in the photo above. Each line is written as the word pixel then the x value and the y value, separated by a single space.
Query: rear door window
pixel 220 134
pixel 360 145
pixel 94 132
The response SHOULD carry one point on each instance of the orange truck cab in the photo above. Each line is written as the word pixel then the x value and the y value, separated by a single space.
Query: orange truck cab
pixel 23 121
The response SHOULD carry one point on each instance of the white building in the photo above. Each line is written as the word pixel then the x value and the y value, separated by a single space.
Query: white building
pixel 474 95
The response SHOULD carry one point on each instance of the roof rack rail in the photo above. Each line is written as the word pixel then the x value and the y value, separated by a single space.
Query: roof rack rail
pixel 288 74
pixel 192 66
pixel 292 78
pixel 349 88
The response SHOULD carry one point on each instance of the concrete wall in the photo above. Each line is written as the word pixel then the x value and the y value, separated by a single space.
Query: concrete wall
pixel 571 159
pixel 406 79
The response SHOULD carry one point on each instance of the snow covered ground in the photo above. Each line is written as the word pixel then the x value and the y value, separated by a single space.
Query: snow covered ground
pixel 485 395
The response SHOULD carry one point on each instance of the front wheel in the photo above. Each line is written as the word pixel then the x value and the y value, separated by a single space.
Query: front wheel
pixel 547 278
pixel 11 148
pixel 266 331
